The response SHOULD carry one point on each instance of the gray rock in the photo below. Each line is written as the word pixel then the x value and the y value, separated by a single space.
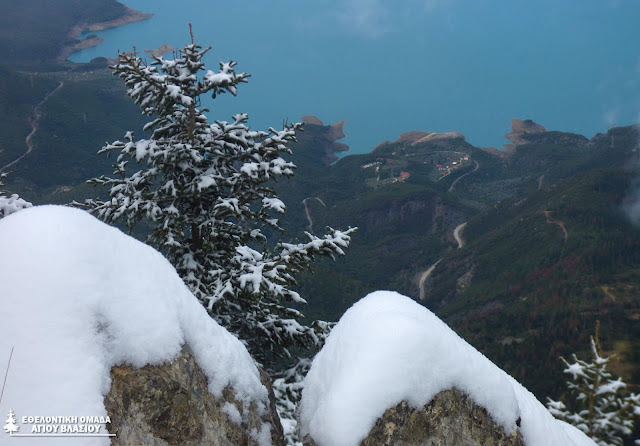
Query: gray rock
pixel 450 419
pixel 170 404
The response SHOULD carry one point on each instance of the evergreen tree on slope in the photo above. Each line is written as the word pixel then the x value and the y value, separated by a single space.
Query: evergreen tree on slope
pixel 204 187
pixel 603 412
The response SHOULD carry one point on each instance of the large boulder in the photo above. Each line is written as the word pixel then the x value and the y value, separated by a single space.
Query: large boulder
pixel 169 404
pixel 451 418
pixel 103 327
pixel 392 373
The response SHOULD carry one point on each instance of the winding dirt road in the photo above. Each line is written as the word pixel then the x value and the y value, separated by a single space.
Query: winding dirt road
pixel 557 222
pixel 425 275
pixel 34 122
pixel 306 211
pixel 456 234
pixel 453 185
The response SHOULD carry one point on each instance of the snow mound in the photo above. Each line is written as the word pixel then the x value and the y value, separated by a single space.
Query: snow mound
pixel 78 297
pixel 387 348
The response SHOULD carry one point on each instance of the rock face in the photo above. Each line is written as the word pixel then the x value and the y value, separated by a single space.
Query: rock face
pixel 451 418
pixel 310 119
pixel 526 126
pixel 324 138
pixel 336 131
pixel 519 129
pixel 169 404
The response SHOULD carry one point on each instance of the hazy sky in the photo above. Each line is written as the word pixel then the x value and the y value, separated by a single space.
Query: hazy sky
pixel 390 66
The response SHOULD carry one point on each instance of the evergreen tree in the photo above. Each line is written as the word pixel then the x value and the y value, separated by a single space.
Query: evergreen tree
pixel 205 190
pixel 10 203
pixel 603 412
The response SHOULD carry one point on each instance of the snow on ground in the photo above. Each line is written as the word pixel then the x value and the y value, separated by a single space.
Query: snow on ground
pixel 77 297
pixel 386 349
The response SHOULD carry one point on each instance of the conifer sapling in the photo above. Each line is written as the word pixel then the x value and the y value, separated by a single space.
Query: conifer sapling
pixel 602 410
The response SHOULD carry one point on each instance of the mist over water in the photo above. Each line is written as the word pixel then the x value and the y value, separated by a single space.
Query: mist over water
pixel 391 66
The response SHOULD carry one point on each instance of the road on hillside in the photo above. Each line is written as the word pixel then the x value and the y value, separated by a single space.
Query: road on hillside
pixel 557 222
pixel 308 213
pixel 456 234
pixel 34 122
pixel 453 185
pixel 425 275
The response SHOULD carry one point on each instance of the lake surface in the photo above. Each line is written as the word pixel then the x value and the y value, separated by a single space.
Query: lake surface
pixel 391 66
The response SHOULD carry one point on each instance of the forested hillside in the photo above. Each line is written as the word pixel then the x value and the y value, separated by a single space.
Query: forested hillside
pixel 548 248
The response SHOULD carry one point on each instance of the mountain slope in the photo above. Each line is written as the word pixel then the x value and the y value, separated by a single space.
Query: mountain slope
pixel 520 290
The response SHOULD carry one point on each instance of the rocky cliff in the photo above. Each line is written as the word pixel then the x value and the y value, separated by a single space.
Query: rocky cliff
pixel 519 129
pixel 323 138
pixel 169 404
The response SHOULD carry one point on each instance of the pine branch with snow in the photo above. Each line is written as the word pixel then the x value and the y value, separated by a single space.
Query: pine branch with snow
pixel 604 411
pixel 10 203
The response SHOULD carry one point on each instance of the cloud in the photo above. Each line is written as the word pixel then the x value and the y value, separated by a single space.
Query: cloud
pixel 611 116
pixel 430 6
pixel 375 18
pixel 368 18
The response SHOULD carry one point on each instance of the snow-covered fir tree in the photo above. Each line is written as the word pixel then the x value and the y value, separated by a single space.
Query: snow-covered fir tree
pixel 602 409
pixel 10 203
pixel 206 190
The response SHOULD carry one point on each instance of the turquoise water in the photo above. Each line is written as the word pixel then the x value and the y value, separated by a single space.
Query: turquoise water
pixel 391 66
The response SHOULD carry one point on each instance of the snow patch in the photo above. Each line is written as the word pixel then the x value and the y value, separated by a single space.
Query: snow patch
pixel 78 297
pixel 386 349
pixel 232 411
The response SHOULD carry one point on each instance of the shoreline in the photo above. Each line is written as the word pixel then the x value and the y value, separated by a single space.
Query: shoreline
pixel 130 16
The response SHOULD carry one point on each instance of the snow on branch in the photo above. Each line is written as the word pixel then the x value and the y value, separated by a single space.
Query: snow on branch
pixel 602 409
pixel 10 203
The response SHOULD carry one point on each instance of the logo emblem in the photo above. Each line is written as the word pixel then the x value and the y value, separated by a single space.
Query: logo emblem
pixel 11 427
